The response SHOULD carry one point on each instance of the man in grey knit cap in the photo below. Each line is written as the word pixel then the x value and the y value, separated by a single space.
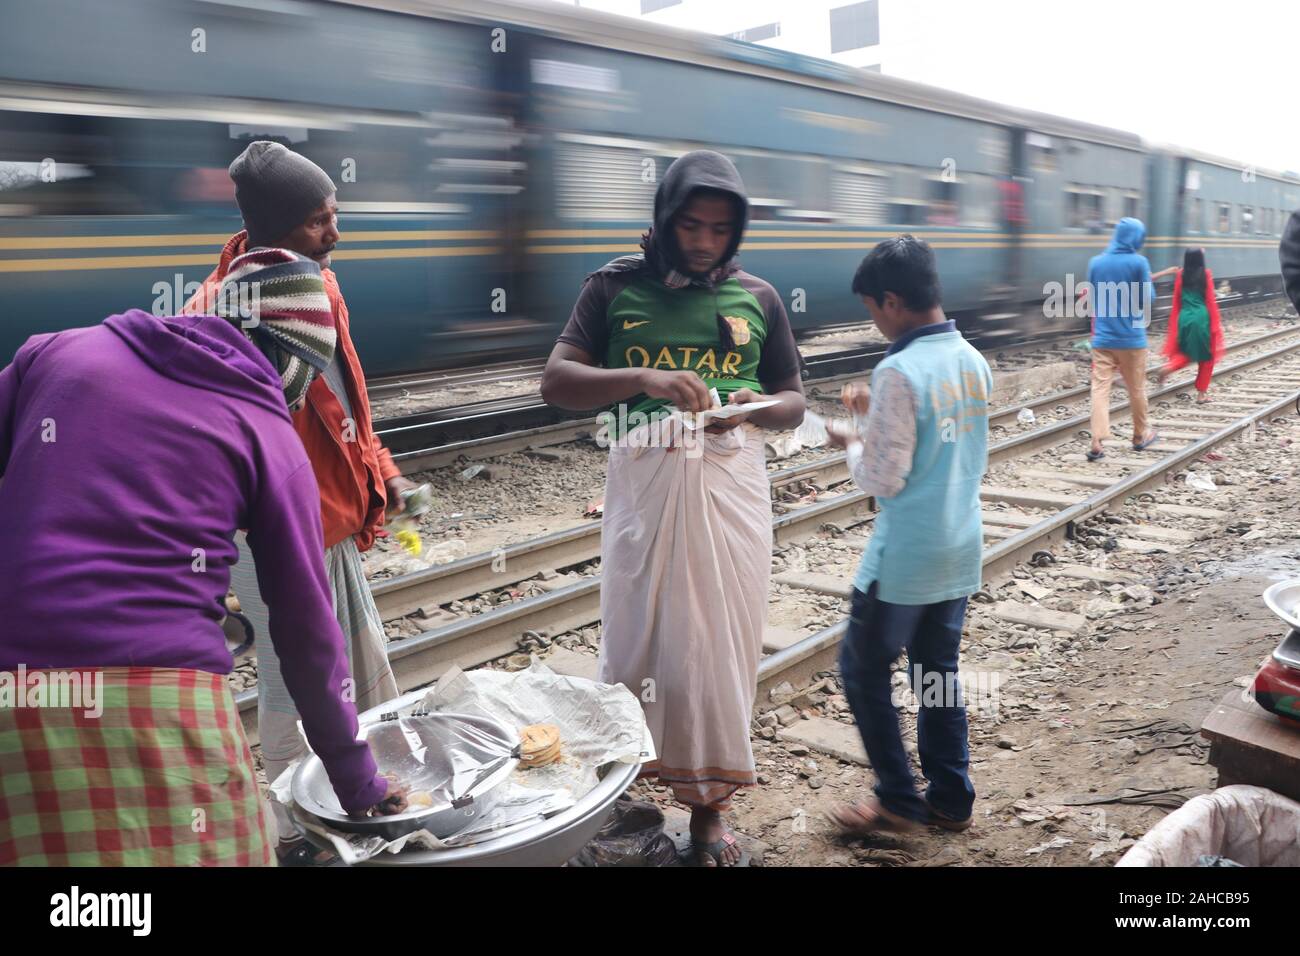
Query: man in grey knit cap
pixel 278 191
pixel 287 201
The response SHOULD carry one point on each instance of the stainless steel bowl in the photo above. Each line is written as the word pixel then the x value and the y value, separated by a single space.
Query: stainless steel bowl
pixel 1283 599
pixel 459 759
pixel 548 843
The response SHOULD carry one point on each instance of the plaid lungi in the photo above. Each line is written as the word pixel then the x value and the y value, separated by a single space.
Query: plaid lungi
pixel 162 777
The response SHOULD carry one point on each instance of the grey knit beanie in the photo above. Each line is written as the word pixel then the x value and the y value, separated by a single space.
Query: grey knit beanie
pixel 276 189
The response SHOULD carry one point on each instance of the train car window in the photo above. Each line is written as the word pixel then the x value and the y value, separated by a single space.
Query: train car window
pixel 1131 205
pixel 1247 219
pixel 943 196
pixel 1225 218
pixel 787 187
pixel 907 212
pixel 858 195
pixel 606 180
pixel 908 205
pixel 1194 215
pixel 73 165
pixel 1042 155
pixel 1084 209
pixel 979 201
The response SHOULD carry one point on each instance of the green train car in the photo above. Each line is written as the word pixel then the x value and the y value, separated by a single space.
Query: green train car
pixel 490 155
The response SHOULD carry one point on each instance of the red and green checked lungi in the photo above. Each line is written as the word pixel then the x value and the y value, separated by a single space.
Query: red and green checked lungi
pixel 163 777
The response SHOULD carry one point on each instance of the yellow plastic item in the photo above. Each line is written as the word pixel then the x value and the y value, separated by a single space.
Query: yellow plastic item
pixel 410 540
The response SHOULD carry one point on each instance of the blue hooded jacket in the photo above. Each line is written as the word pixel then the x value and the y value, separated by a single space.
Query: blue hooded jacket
pixel 1120 281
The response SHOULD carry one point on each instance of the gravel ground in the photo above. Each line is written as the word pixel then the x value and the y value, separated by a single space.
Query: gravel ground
pixel 1064 725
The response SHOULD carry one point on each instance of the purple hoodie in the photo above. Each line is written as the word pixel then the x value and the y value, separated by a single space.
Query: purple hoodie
pixel 131 451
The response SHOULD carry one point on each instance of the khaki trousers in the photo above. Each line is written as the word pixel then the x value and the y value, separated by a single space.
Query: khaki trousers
pixel 1132 367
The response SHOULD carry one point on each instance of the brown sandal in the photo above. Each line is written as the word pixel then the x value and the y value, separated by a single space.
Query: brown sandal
pixel 937 819
pixel 866 817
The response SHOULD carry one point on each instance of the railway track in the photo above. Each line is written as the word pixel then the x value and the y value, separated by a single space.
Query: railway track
pixel 1019 522
pixel 419 382
pixel 493 427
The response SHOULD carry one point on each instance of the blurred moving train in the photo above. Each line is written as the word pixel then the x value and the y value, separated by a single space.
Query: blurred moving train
pixel 490 154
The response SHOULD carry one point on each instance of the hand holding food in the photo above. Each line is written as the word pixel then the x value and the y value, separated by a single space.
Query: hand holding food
pixel 856 397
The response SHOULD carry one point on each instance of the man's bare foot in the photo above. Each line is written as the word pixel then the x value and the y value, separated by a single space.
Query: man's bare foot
pixel 708 829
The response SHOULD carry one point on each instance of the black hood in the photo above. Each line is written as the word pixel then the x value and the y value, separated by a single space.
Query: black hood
pixel 702 169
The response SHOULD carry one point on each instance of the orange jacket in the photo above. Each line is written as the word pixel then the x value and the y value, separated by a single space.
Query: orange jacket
pixel 351 465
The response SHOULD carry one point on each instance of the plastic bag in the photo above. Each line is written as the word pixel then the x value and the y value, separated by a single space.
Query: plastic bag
pixel 632 836
pixel 811 432
pixel 1250 826
pixel 1026 416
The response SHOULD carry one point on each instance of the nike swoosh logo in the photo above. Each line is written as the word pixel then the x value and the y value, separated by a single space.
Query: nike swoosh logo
pixel 632 325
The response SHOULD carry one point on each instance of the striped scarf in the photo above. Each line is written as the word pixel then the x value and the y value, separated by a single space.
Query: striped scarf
pixel 278 299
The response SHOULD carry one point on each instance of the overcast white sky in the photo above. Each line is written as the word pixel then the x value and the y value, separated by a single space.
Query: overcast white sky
pixel 1221 76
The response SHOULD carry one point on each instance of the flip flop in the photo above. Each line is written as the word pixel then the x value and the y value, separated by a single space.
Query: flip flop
pixel 714 850
pixel 1095 455
pixel 938 819
pixel 867 817
pixel 304 854
pixel 1146 443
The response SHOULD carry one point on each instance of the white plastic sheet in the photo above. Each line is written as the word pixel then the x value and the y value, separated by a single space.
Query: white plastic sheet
pixel 599 724
pixel 1248 825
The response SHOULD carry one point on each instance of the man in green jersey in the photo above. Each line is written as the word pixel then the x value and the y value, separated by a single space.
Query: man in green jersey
pixel 686 543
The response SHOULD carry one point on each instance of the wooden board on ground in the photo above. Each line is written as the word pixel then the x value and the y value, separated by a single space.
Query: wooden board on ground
pixel 1128 443
pixel 1111 460
pixel 827 736
pixel 999 532
pixel 819 583
pixel 1154 533
pixel 571 663
pixel 779 638
pixel 1249 745
pixel 1201 427
pixel 1010 519
pixel 1084 573
pixel 1146 547
pixel 1016 613
pixel 1187 511
pixel 1070 478
pixel 1027 497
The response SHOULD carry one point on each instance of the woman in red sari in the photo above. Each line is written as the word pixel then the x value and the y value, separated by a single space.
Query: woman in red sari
pixel 1195 331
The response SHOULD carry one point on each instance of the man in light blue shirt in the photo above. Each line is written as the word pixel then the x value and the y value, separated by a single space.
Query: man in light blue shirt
pixel 921 451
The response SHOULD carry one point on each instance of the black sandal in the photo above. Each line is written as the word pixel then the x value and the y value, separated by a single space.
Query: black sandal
pixel 1095 455
pixel 304 854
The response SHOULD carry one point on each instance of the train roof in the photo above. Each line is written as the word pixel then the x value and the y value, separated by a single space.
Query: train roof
pixel 627 34
pixel 1285 176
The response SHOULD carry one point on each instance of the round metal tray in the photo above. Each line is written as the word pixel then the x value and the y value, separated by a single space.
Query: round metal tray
pixel 1283 599
pixel 465 756
pixel 550 842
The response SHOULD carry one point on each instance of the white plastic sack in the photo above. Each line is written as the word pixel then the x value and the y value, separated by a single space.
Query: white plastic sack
pixel 1248 825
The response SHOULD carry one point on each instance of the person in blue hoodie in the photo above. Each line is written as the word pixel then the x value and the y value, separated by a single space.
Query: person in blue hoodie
pixel 921 448
pixel 1122 294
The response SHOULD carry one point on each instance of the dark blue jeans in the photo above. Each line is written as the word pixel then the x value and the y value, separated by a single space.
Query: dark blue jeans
pixel 931 634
